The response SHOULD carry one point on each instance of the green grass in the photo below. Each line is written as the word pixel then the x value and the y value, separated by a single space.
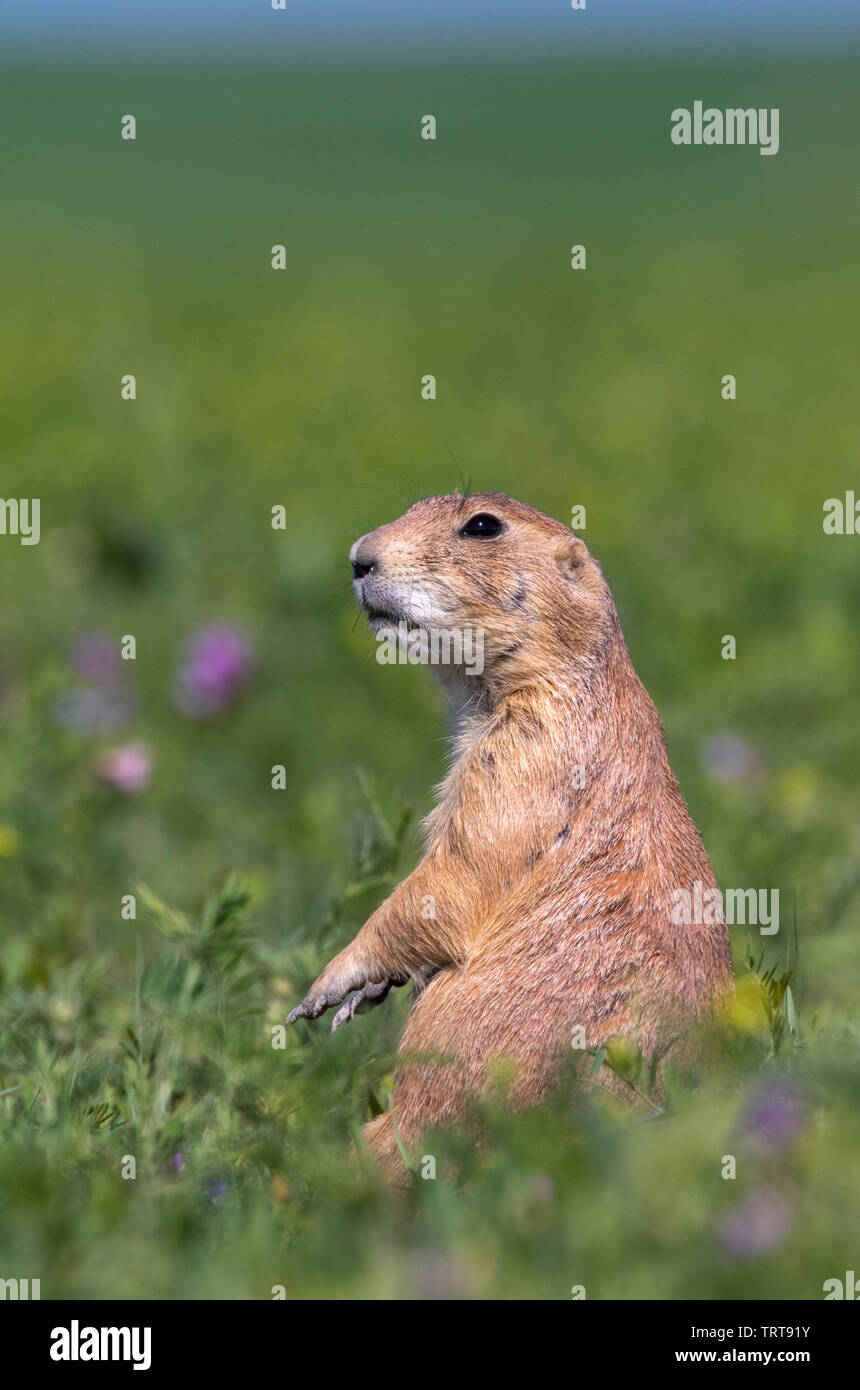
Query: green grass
pixel 152 1037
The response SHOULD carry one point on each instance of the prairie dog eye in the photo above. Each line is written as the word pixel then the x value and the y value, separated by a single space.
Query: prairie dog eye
pixel 482 525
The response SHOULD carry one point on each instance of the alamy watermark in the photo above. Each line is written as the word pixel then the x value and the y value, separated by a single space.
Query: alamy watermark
pixel 842 518
pixel 19 516
pixel 431 646
pixel 701 906
pixel 20 1288
pixel 76 1343
pixel 708 125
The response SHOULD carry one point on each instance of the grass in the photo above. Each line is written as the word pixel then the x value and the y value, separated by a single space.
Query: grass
pixel 151 1036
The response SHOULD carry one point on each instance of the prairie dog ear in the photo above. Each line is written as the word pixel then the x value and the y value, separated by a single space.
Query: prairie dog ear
pixel 571 556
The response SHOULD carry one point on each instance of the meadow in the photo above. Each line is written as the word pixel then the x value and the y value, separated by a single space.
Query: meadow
pixel 151 1036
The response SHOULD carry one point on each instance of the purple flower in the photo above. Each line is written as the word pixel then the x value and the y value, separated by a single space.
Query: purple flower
pixel 86 709
pixel 179 1163
pixel 95 657
pixel 217 667
pixel 110 697
pixel 126 769
pixel 757 1225
pixel 95 709
pixel 775 1114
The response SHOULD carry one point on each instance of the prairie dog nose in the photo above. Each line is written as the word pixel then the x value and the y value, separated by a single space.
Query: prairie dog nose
pixel 361 558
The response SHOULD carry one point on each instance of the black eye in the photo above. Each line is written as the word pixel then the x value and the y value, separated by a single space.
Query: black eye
pixel 482 525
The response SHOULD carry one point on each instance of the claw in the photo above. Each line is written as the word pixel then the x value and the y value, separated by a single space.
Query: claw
pixel 309 1008
pixel 369 993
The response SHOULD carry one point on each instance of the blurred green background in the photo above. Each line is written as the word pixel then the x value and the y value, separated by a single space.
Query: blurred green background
pixel 302 388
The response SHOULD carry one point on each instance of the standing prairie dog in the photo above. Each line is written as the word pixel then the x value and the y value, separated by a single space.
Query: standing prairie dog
pixel 559 838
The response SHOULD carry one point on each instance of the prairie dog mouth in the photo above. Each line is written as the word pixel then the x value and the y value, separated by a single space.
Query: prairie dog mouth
pixel 379 617
pixel 374 612
pixel 391 605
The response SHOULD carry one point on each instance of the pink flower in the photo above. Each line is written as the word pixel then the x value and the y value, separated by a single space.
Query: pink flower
pixel 217 667
pixel 126 769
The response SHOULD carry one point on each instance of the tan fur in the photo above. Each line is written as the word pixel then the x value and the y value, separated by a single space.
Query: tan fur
pixel 552 903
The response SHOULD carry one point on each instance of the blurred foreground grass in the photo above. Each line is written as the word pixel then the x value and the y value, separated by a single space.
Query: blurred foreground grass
pixel 257 389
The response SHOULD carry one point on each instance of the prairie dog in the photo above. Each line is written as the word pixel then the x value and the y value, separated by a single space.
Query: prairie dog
pixel 559 837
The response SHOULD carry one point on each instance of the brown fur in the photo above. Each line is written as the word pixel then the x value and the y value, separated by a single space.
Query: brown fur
pixel 552 904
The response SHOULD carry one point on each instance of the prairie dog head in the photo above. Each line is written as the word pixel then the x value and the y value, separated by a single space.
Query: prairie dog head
pixel 499 573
